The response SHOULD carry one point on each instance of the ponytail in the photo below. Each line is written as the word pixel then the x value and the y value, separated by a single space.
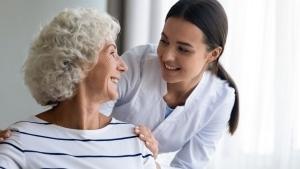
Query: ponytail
pixel 234 116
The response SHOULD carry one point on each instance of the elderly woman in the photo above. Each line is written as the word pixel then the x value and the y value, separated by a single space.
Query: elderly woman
pixel 73 67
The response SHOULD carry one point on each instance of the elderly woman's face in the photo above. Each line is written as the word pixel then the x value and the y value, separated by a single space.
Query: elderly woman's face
pixel 104 77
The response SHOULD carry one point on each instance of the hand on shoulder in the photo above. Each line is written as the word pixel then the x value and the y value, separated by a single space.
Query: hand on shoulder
pixel 4 134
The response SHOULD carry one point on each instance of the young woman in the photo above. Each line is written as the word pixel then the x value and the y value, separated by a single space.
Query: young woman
pixel 178 89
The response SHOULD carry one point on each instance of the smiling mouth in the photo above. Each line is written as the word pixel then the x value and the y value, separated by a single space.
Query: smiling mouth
pixel 115 80
pixel 172 68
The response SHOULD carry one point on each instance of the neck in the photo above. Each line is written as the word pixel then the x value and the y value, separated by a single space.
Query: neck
pixel 179 92
pixel 77 113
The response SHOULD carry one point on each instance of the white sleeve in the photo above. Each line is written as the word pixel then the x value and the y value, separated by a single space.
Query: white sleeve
pixel 11 155
pixel 107 107
pixel 197 152
pixel 129 79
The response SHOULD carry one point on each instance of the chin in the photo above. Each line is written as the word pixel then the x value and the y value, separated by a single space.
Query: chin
pixel 114 96
pixel 169 79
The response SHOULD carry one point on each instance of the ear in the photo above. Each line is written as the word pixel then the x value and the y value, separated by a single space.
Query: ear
pixel 214 54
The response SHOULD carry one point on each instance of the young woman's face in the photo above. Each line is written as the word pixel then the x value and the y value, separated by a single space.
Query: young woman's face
pixel 182 52
pixel 104 77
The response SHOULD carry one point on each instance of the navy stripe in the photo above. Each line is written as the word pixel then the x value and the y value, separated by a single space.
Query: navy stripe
pixel 16 147
pixel 1 167
pixel 45 123
pixel 89 156
pixel 70 139
pixel 78 156
pixel 117 123
pixel 147 155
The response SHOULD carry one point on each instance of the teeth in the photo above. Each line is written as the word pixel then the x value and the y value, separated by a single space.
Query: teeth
pixel 170 67
pixel 114 80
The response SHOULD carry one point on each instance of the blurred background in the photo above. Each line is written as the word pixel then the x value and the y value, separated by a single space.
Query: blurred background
pixel 262 55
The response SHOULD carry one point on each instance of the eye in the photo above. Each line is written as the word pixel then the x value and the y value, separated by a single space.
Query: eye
pixel 163 41
pixel 182 49
pixel 114 54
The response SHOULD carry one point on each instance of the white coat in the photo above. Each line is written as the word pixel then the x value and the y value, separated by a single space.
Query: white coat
pixel 193 129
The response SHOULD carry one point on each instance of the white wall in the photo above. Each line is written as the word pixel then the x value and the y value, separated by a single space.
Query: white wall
pixel 19 21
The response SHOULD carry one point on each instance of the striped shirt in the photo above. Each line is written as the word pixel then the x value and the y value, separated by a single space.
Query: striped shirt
pixel 38 144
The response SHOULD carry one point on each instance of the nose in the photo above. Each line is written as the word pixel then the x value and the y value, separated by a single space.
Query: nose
pixel 122 66
pixel 167 54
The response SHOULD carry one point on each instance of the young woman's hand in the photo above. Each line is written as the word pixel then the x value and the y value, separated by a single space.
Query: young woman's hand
pixel 146 135
pixel 4 134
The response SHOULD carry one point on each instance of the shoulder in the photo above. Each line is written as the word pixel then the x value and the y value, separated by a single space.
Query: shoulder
pixel 121 127
pixel 124 128
pixel 30 123
pixel 127 129
pixel 219 97
pixel 222 99
pixel 219 89
pixel 13 146
pixel 117 122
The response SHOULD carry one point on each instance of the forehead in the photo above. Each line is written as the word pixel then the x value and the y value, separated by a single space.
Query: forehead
pixel 110 44
pixel 181 30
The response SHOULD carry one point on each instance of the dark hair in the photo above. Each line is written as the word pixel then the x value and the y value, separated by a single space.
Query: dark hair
pixel 210 17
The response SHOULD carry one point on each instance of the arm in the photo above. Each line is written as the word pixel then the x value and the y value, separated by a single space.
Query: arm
pixel 128 81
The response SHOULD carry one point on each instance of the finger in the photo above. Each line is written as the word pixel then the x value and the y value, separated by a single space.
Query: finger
pixel 2 133
pixel 147 137
pixel 143 137
pixel 7 133
pixel 137 130
pixel 141 134
pixel 152 148
pixel 144 130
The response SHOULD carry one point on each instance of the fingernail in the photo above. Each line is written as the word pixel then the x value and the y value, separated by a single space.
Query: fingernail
pixel 142 136
pixel 137 130
pixel 147 143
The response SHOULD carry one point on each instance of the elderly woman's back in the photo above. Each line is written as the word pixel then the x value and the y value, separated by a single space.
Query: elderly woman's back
pixel 73 67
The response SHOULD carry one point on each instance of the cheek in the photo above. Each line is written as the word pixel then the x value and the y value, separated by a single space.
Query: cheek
pixel 194 66
pixel 159 51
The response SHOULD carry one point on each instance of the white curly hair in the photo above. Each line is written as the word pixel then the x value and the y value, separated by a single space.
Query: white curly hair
pixel 64 51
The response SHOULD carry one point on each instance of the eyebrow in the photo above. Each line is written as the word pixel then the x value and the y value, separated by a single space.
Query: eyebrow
pixel 178 42
pixel 113 45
